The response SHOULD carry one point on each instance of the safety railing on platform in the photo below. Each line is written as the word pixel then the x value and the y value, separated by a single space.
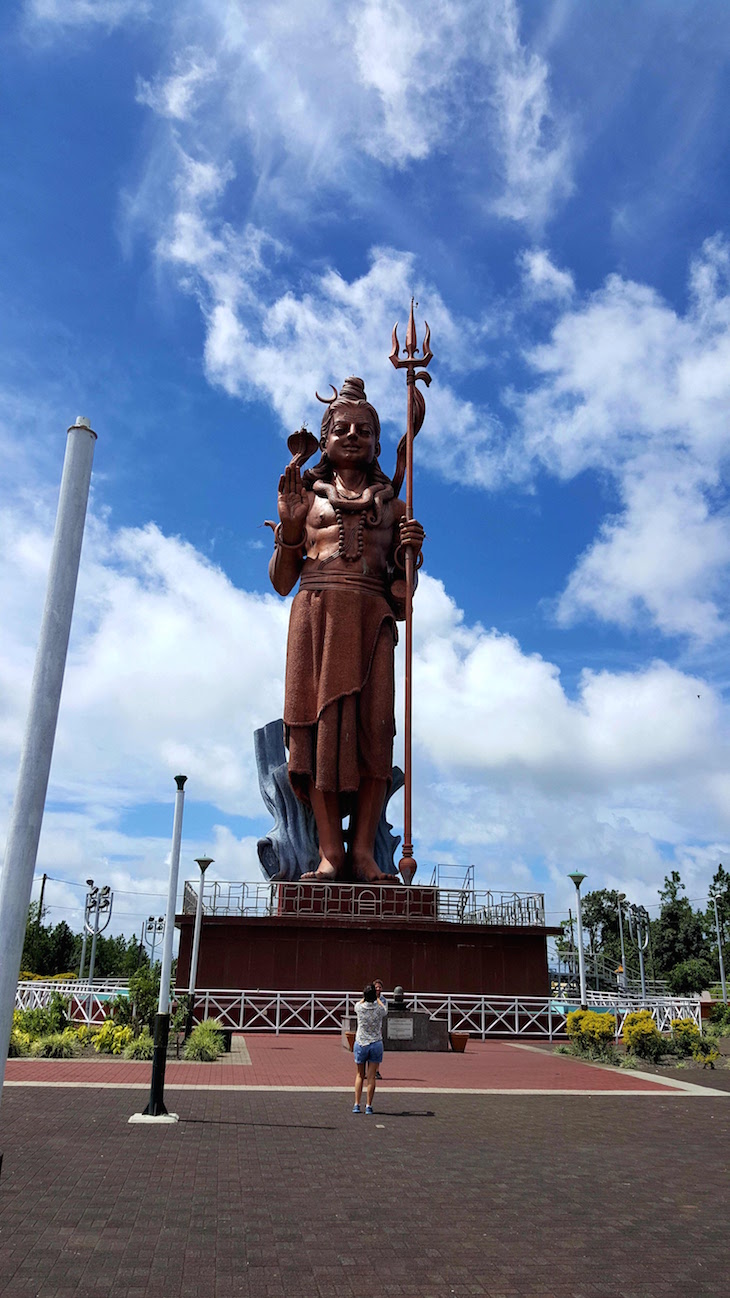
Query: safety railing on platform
pixel 481 1016
pixel 359 901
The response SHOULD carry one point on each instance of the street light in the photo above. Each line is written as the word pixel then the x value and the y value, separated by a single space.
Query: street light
pixel 639 916
pixel 203 862
pixel 87 912
pixel 718 929
pixel 155 1110
pixel 153 929
pixel 578 878
pixel 621 896
pixel 100 903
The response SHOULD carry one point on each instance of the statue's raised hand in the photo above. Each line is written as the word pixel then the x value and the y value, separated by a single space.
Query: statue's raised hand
pixel 292 504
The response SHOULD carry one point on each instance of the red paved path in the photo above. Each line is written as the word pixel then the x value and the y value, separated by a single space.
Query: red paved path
pixel 318 1061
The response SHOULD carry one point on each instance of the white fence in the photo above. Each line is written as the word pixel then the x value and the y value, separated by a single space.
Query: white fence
pixel 481 1016
pixel 277 1011
pixel 88 1003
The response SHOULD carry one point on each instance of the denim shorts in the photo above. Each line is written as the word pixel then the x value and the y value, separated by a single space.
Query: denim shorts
pixel 372 1054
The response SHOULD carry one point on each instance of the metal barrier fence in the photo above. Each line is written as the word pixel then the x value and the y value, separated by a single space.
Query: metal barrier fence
pixel 87 1003
pixel 277 1011
pixel 358 901
pixel 481 1016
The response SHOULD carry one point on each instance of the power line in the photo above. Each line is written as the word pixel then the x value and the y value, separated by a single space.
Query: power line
pixel 125 892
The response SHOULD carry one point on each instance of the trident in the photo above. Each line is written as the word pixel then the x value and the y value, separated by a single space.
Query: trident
pixel 416 411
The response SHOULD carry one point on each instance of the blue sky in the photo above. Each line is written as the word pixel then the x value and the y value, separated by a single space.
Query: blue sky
pixel 210 210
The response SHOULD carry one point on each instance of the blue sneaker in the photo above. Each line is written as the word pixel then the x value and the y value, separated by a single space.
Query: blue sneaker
pixel 356 1108
pixel 368 1108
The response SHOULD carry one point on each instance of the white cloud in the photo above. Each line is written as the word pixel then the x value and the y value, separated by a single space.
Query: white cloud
pixel 176 95
pixel 535 148
pixel 665 556
pixel 629 387
pixel 486 706
pixel 542 279
pixel 315 118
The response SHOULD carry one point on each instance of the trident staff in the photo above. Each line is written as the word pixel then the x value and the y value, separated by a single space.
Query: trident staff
pixel 416 410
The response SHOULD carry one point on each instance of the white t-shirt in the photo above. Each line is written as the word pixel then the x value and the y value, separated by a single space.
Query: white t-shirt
pixel 370 1017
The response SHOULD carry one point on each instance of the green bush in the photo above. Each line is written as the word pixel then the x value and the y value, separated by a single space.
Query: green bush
pixel 179 1013
pixel 706 1053
pixel 592 1035
pixel 688 977
pixel 205 1042
pixel 629 1061
pixel 144 995
pixel 85 1033
pixel 111 1039
pixel 642 1037
pixel 56 1045
pixel 142 1047
pixel 685 1035
pixel 51 1018
pixel 720 1020
pixel 19 1044
pixel 122 1011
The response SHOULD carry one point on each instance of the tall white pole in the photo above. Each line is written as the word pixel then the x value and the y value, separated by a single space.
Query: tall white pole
pixel 578 878
pixel 203 862
pixel 718 928
pixel 163 1006
pixel 21 850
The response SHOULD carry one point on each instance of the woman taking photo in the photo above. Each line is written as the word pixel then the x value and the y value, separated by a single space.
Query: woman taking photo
pixel 368 1048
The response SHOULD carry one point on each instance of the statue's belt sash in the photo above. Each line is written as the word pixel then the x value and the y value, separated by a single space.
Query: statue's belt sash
pixel 357 582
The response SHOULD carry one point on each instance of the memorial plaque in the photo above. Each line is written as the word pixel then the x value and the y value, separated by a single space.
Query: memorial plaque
pixel 400 1029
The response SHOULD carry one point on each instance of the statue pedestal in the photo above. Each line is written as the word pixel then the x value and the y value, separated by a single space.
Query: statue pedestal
pixel 363 901
pixel 405 1029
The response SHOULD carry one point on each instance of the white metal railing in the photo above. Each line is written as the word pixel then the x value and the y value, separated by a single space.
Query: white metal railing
pixel 289 1011
pixel 481 1016
pixel 360 901
pixel 87 1003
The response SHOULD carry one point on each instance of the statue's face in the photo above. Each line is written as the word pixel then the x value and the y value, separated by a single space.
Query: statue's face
pixel 352 438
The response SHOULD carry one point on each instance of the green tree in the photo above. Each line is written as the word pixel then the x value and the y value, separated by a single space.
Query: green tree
pixel 720 889
pixel 689 977
pixel 678 934
pixel 54 949
pixel 600 922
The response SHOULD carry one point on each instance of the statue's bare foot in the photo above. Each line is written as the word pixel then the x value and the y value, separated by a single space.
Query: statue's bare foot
pixel 326 872
pixel 367 870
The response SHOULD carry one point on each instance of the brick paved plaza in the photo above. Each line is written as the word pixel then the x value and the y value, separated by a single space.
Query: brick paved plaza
pixel 604 1185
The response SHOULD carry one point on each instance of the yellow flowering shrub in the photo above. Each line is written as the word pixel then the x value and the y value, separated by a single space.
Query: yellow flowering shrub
pixel 685 1037
pixel 642 1037
pixel 591 1033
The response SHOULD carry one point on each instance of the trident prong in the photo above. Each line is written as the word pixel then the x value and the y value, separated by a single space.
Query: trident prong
pixel 411 357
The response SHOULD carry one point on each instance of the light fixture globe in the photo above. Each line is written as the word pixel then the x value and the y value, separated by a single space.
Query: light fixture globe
pixel 577 878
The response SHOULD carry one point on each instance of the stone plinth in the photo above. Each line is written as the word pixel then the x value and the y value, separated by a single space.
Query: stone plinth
pixel 406 1030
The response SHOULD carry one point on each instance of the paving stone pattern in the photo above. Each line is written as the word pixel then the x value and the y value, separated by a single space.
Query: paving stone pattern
pixel 277 1194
